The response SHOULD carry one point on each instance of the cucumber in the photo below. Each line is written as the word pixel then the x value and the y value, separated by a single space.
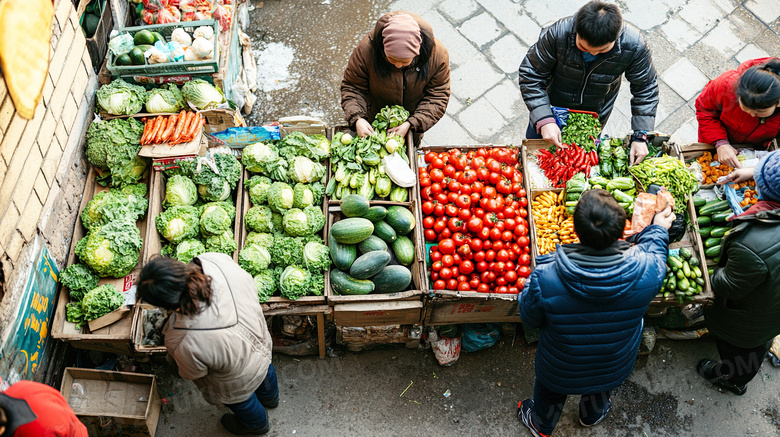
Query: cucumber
pixel 683 284
pixel 376 213
pixel 694 262
pixel 342 283
pixel 704 221
pixel 686 270
pixel 713 252
pixel 706 232
pixel 674 262
pixel 719 206
pixel 710 242
pixel 699 280
pixel 697 271
pixel 371 244
pixel 680 275
pixel 403 248
pixel 343 255
pixel 401 219
pixel 384 231
pixel 685 253
pixel 369 264
pixel 719 232
pixel 721 216
pixel 698 201
pixel 352 230
pixel 672 284
pixel 392 279
pixel 354 205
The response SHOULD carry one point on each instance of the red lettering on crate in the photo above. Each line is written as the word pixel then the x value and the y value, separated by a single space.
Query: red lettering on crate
pixel 375 313
pixel 464 308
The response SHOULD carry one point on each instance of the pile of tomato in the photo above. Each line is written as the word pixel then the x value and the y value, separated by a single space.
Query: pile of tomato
pixel 475 209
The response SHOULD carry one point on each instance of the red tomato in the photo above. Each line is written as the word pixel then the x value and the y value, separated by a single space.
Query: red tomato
pixel 435 256
pixel 474 282
pixel 428 222
pixel 427 208
pixel 454 269
pixel 454 224
pixel 499 225
pixel 452 196
pixel 439 285
pixel 495 234
pixel 479 256
pixel 449 170
pixel 440 225
pixel 476 244
pixel 510 224
pixel 513 290
pixel 502 255
pixel 463 201
pixel 483 288
pixel 425 182
pixel 494 178
pixel 522 212
pixel 493 166
pixel 520 282
pixel 488 276
pixel 523 241
pixel 464 214
pixel 463 286
pixel 459 162
pixel 484 234
pixel 437 175
pixel 499 267
pixel 475 198
pixel 501 281
pixel 469 176
pixel 524 259
pixel 523 202
pixel 437 163
pixel 454 185
pixel 447 246
pixel 524 271
pixel 466 267
pixel 509 264
pixel 465 251
pixel 521 193
pixel 507 171
pixel 445 273
pixel 426 194
pixel 430 156
pixel 487 244
pixel 474 224
pixel 477 187
pixel 491 205
pixel 489 192
pixel 459 238
pixel 511 276
pixel 441 198
pixel 451 210
pixel 506 235
pixel 436 266
pixel 503 186
pixel 502 289
pixel 447 261
pixel 434 276
pixel 452 284
pixel 479 212
pixel 520 230
pixel 497 245
pixel 445 233
pixel 438 210
pixel 436 188
pixel 490 255
pixel 430 235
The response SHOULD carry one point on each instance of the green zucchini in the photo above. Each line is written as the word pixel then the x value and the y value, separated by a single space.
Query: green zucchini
pixel 685 253
pixel 703 221
pixel 697 271
pixel 401 219
pixel 674 262
pixel 384 231
pixel 342 283
pixel 710 242
pixel 683 284
pixel 721 216
pixel 686 269
pixel 719 206
pixel 713 252
pixel 694 262
pixel 698 201
pixel 719 232
pixel 699 280
pixel 403 248
pixel 706 232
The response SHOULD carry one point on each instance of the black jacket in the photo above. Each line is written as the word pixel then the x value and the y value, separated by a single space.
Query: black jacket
pixel 554 73
pixel 746 283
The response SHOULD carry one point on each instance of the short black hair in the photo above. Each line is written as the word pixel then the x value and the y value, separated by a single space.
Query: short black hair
pixel 173 285
pixel 759 86
pixel 599 23
pixel 598 219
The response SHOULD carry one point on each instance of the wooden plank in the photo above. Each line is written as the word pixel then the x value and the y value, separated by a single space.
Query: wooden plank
pixel 378 313
pixel 471 307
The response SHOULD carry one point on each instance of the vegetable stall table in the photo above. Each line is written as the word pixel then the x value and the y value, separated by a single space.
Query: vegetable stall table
pixel 473 298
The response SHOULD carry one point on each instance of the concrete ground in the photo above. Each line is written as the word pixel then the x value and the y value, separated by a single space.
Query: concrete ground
pixel 302 47
pixel 402 392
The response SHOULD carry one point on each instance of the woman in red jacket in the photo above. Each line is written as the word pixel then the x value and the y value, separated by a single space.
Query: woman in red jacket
pixel 740 107
pixel 31 409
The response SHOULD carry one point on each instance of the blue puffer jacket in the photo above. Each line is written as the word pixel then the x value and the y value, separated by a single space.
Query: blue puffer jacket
pixel 591 318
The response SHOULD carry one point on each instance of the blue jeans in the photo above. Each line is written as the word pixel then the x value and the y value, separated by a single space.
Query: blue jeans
pixel 251 412
pixel 548 407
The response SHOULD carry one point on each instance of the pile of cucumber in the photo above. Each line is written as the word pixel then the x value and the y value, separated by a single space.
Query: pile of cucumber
pixel 372 248
pixel 713 226
pixel 684 278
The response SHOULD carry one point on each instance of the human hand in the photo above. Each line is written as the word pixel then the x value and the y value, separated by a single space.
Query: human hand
pixel 727 155
pixel 740 175
pixel 665 218
pixel 638 152
pixel 552 133
pixel 363 127
pixel 401 130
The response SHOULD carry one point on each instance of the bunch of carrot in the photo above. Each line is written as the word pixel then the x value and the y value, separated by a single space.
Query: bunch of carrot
pixel 173 129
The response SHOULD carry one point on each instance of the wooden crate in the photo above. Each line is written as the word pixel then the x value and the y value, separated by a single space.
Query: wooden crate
pixel 448 307
pixel 113 403
pixel 409 154
pixel 154 240
pixel 400 308
pixel 278 302
pixel 138 330
pixel 116 337
pixel 301 123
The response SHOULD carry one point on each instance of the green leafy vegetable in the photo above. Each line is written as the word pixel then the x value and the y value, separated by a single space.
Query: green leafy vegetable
pixel 178 223
pixel 390 117
pixel 187 250
pixel 303 196
pixel 96 303
pixel 259 218
pixel 111 250
pixel 120 98
pixel 254 258
pixel 180 191
pixel 315 218
pixel 216 218
pixel 280 197
pixel 202 94
pixel 125 166
pixel 316 256
pixel 128 204
pixel 295 282
pixel 266 284
pixel 103 136
pixel 287 250
pixel 258 187
pixel 164 99
pixel 79 279
pixel 305 170
pixel 295 222
pixel 260 238
pixel 223 243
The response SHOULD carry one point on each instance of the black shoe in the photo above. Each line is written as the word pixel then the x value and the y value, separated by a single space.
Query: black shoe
pixel 524 410
pixel 271 403
pixel 600 418
pixel 705 369
pixel 234 426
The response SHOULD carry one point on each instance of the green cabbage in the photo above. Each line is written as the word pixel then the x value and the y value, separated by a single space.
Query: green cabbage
pixel 259 219
pixel 223 243
pixel 120 98
pixel 302 196
pixel 216 218
pixel 280 197
pixel 260 238
pixel 316 256
pixel 295 223
pixel 315 219
pixel 128 204
pixel 178 223
pixel 187 250
pixel 103 136
pixel 164 99
pixel 287 250
pixel 180 191
pixel 216 190
pixel 96 303
pixel 254 258
pixel 258 187
pixel 111 250
pixel 79 279
pixel 265 282
pixel 202 94
pixel 125 166
pixel 305 170
pixel 257 156
pixel 295 282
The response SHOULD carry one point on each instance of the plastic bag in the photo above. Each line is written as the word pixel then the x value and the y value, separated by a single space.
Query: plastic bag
pixel 170 14
pixel 121 44
pixel 155 5
pixel 224 14
pixel 446 350
pixel 478 336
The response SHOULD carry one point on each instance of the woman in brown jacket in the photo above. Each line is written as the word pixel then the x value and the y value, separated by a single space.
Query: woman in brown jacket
pixel 399 63
pixel 216 335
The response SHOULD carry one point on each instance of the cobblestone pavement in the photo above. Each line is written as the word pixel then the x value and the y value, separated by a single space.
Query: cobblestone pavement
pixel 692 41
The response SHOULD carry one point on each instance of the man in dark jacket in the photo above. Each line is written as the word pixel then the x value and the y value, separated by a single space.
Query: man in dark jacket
pixel 588 300
pixel 578 63
pixel 745 316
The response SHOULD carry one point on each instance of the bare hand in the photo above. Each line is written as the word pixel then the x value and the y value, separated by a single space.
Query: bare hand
pixel 552 133
pixel 727 155
pixel 401 130
pixel 638 152
pixel 740 175
pixel 665 218
pixel 363 127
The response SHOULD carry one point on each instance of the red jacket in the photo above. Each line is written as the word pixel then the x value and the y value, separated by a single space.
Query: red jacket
pixel 720 117
pixel 55 418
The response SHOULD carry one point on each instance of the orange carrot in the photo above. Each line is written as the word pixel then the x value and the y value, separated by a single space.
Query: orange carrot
pixel 179 126
pixel 169 128
pixel 161 131
pixel 155 129
pixel 196 125
pixel 147 128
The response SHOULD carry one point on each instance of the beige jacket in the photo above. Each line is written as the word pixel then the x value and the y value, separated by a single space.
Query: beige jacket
pixel 226 348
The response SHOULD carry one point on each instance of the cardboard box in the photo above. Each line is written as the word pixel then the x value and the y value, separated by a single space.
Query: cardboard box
pixel 378 313
pixel 138 330
pixel 114 337
pixel 113 403
pixel 447 307
pixel 304 124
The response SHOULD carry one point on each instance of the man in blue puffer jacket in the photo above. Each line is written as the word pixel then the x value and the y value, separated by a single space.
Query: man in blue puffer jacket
pixel 589 300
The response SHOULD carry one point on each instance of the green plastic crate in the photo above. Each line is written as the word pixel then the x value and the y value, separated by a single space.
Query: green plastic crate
pixel 169 68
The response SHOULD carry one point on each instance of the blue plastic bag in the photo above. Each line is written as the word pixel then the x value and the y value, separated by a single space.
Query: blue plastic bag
pixel 478 336
pixel 734 197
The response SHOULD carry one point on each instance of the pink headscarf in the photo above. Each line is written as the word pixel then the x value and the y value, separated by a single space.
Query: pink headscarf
pixel 402 37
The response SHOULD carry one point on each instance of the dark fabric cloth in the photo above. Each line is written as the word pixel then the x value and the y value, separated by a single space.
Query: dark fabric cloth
pixel 760 206
pixel 746 282
pixel 531 133
pixel 364 92
pixel 251 412
pixel 591 317
pixel 54 418
pixel 554 73
pixel 767 176
pixel 585 256
pixel 721 118
pixel 739 365
pixel 548 406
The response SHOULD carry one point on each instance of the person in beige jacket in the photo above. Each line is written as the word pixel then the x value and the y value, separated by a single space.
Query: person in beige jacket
pixel 216 335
